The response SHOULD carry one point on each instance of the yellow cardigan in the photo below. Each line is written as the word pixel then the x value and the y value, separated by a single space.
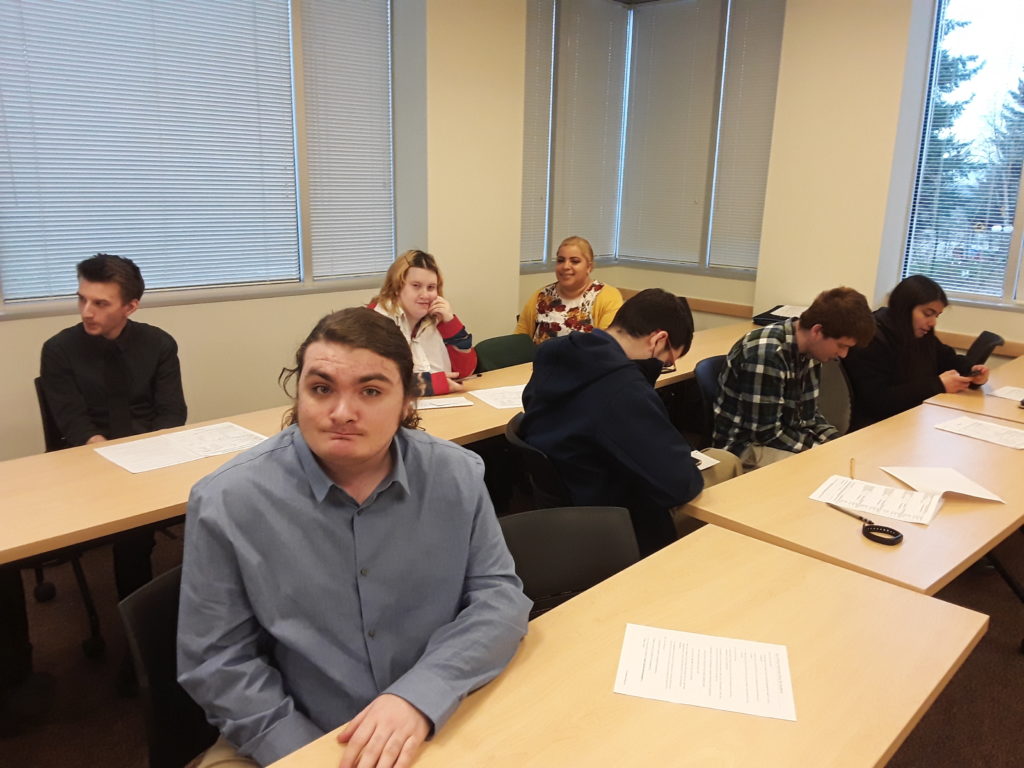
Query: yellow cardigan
pixel 606 304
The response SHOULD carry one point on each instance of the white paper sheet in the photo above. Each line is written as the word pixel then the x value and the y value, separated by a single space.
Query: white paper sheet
pixel 1010 393
pixel 180 447
pixel 703 460
pixel 940 480
pixel 788 310
pixel 216 439
pixel 706 671
pixel 872 499
pixel 985 430
pixel 425 404
pixel 501 397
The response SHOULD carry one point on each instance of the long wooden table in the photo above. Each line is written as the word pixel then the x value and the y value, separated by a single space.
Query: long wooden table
pixel 55 500
pixel 867 659
pixel 982 401
pixel 772 503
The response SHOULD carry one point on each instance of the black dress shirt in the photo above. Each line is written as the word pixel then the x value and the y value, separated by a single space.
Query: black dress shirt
pixel 95 386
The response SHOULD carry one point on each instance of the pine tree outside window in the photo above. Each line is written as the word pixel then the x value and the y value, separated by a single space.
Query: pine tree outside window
pixel 967 218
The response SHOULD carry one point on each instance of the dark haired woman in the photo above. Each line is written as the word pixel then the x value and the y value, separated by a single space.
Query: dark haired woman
pixel 905 363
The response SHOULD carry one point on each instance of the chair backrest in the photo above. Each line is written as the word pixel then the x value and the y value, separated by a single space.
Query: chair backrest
pixel 707 373
pixel 563 551
pixel 503 351
pixel 53 440
pixel 835 398
pixel 176 727
pixel 547 485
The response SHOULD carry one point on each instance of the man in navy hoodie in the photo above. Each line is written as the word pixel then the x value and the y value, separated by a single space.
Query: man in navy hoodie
pixel 592 408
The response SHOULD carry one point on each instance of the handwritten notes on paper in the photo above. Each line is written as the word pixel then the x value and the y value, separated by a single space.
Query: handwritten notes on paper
pixel 501 397
pixel 425 404
pixel 940 480
pixel 874 499
pixel 180 447
pixel 985 430
pixel 706 671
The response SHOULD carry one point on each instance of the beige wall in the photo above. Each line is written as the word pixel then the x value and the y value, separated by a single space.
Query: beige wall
pixel 231 354
pixel 475 76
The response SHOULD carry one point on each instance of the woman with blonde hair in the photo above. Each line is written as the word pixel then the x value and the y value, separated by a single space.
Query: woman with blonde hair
pixel 573 302
pixel 413 297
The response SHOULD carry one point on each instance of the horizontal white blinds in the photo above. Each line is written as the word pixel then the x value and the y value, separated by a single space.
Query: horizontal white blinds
pixel 964 222
pixel 589 95
pixel 347 78
pixel 540 17
pixel 670 135
pixel 160 131
pixel 753 47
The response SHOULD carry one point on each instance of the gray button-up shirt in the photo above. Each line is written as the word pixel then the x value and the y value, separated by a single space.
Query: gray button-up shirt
pixel 299 606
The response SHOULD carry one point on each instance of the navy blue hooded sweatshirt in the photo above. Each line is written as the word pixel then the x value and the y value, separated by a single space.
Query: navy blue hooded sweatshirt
pixel 596 415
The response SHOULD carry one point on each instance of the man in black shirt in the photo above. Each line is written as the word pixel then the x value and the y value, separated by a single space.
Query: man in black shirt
pixel 104 378
pixel 110 377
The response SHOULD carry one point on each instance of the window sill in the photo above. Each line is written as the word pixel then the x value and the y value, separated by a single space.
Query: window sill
pixel 170 297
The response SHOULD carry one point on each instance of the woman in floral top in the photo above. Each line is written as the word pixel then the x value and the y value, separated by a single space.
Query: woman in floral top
pixel 574 302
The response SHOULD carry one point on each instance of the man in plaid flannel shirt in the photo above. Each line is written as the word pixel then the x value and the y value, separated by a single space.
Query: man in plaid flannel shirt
pixel 767 405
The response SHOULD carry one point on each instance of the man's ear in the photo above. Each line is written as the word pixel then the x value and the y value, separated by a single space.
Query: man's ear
pixel 131 306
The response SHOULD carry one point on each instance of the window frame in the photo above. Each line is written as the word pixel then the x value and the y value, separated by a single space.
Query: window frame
pixel 1012 297
pixel 403 61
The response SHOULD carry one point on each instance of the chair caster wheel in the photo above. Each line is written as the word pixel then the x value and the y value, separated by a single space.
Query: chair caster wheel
pixel 44 592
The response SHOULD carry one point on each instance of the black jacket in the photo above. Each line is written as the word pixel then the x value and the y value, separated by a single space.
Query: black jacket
pixel 595 413
pixel 896 371
pixel 77 369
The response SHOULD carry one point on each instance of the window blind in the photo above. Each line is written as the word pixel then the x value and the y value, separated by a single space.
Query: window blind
pixel 670 140
pixel 965 224
pixel 157 131
pixel 589 97
pixel 346 53
pixel 537 113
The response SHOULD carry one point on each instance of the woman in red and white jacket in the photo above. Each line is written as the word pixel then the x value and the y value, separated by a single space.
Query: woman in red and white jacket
pixel 413 296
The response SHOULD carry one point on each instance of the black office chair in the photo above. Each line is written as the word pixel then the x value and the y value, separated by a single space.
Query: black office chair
pixel 503 351
pixel 176 727
pixel 561 552
pixel 835 396
pixel 546 484
pixel 707 373
pixel 94 645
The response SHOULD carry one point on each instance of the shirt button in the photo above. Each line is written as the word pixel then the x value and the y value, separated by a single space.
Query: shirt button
pixel 363 571
pixel 359 512
pixel 372 633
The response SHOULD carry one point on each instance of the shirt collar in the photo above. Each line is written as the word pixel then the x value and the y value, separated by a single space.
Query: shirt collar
pixel 789 324
pixel 320 484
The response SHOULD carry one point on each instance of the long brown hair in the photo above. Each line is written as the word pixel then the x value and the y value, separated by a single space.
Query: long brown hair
pixel 358 328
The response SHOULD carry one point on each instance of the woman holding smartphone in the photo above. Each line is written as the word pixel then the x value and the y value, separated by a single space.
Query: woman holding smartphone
pixel 413 296
pixel 905 363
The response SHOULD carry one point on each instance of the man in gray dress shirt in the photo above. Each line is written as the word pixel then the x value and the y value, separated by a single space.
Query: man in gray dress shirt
pixel 348 569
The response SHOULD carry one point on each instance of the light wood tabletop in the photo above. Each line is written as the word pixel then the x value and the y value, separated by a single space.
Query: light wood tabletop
pixel 982 400
pixel 772 503
pixel 54 500
pixel 866 658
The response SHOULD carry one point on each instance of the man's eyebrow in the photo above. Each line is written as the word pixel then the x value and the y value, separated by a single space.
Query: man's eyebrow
pixel 369 377
pixel 319 374
pixel 375 377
